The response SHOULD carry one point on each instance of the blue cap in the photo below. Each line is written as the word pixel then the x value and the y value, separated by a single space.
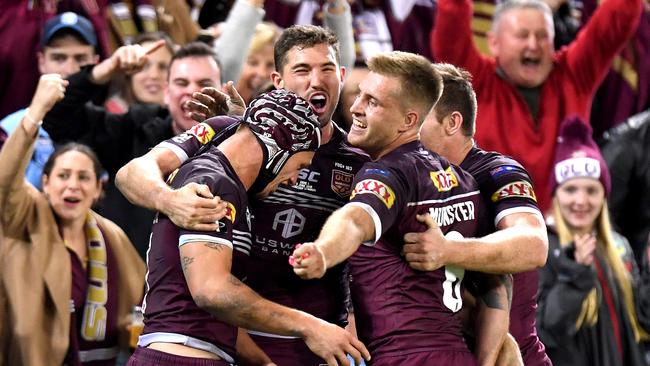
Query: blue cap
pixel 72 21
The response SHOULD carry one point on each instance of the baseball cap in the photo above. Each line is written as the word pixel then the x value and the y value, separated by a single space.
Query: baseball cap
pixel 72 21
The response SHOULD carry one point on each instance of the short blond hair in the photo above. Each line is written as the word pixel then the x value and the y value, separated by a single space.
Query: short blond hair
pixel 421 84
pixel 266 34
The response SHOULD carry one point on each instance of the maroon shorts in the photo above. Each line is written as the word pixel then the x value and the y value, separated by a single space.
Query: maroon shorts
pixel 447 358
pixel 152 357
pixel 288 352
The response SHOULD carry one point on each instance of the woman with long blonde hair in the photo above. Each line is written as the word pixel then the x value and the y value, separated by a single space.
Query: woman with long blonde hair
pixel 587 311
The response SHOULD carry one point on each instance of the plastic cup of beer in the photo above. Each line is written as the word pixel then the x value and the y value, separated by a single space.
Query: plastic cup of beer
pixel 137 325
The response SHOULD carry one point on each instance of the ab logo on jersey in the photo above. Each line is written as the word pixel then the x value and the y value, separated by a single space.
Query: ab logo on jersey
pixel 520 188
pixel 203 132
pixel 230 212
pixel 444 180
pixel 379 189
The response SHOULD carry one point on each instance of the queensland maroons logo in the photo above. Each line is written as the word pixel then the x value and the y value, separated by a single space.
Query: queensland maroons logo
pixel 342 182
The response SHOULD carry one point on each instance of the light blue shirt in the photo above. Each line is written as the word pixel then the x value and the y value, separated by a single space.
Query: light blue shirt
pixel 42 150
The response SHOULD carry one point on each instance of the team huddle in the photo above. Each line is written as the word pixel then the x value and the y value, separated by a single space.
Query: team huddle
pixel 280 237
pixel 363 192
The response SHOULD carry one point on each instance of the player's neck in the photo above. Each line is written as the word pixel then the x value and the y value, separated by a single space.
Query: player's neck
pixel 326 132
pixel 401 139
pixel 458 152
pixel 244 154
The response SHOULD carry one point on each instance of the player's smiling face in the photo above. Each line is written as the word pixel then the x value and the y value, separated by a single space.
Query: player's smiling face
pixel 377 114
pixel 523 46
pixel 314 74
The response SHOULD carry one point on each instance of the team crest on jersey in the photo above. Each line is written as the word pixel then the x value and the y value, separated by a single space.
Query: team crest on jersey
pixel 342 182
pixel 379 189
pixel 444 180
pixel 231 212
pixel 520 189
pixel 203 132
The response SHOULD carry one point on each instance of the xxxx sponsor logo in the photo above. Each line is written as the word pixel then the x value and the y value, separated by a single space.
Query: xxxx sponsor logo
pixel 520 189
pixel 377 188
pixel 203 132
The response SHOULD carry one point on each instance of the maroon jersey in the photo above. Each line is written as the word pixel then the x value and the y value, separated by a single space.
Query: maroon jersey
pixel 295 214
pixel 507 188
pixel 289 216
pixel 169 310
pixel 399 310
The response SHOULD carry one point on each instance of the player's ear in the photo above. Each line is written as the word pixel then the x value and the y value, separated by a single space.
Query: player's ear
pixel 278 82
pixel 411 120
pixel 453 123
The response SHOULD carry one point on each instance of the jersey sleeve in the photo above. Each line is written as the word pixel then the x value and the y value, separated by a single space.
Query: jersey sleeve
pixel 381 194
pixel 211 131
pixel 510 190
pixel 221 185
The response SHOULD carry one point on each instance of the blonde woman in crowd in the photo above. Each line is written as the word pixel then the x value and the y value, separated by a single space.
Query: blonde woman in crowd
pixel 256 71
pixel 588 313
pixel 69 278
pixel 148 84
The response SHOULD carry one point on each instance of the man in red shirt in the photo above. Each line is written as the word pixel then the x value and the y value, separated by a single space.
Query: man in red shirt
pixel 527 89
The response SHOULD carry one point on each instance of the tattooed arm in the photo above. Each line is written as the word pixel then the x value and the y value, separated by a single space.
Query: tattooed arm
pixel 207 271
pixel 491 314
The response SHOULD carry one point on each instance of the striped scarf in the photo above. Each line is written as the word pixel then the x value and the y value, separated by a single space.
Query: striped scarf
pixel 93 326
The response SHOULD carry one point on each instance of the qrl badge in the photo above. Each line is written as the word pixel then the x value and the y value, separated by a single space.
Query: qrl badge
pixel 342 182
pixel 444 180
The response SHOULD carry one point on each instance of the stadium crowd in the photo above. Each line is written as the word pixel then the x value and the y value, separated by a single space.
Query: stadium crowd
pixel 325 182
